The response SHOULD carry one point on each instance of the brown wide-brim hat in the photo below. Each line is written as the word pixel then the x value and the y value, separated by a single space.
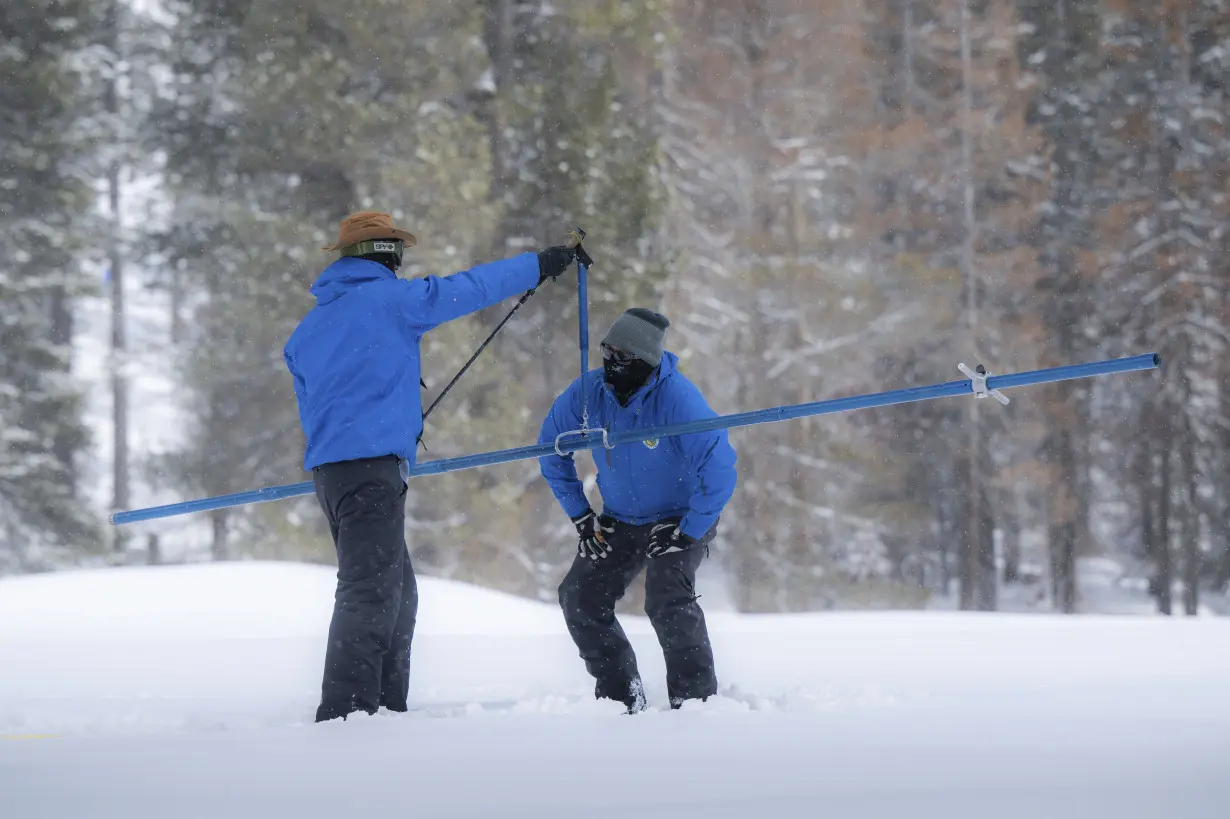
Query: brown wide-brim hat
pixel 369 224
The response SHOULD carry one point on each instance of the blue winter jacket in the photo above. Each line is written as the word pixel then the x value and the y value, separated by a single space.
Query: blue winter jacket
pixel 355 355
pixel 687 476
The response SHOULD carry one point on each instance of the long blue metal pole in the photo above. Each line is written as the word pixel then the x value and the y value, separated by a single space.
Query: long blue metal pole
pixel 583 336
pixel 1148 361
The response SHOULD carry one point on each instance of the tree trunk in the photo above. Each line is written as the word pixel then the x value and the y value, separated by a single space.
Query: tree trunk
pixel 217 548
pixel 973 558
pixel 1221 577
pixel 1010 525
pixel 1063 566
pixel 1082 480
pixel 498 32
pixel 1148 520
pixel 907 57
pixel 1162 556
pixel 62 336
pixel 119 341
pixel 943 529
pixel 119 347
pixel 988 575
pixel 1192 558
pixel 176 305
pixel 1061 512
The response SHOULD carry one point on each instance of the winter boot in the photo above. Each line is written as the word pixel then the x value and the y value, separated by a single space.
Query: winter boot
pixel 631 694
pixel 677 702
pixel 636 698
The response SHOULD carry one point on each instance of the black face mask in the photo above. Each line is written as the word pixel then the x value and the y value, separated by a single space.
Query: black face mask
pixel 626 377
pixel 389 260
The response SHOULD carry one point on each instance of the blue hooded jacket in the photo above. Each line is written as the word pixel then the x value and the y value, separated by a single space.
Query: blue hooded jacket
pixel 355 355
pixel 686 476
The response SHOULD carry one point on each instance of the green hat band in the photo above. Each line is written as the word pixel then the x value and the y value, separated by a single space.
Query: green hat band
pixel 393 246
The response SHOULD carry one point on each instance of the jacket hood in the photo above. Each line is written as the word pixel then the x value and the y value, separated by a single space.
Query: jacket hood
pixel 666 368
pixel 344 274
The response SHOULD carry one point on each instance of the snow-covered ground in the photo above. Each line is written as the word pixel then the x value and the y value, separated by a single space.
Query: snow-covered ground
pixel 188 691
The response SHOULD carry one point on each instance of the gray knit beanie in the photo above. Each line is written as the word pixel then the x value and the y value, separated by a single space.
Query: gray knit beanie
pixel 640 332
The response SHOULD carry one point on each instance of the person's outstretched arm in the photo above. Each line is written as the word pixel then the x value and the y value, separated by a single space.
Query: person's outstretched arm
pixel 434 300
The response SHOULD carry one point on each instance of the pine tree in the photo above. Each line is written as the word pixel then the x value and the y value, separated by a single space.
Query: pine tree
pixel 44 229
pixel 953 183
pixel 1164 144
pixel 1060 46
pixel 783 296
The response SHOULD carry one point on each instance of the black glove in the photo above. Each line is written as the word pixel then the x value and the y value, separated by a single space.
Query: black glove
pixel 592 534
pixel 553 261
pixel 665 538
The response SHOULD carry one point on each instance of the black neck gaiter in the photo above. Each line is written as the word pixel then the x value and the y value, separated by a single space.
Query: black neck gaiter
pixel 625 379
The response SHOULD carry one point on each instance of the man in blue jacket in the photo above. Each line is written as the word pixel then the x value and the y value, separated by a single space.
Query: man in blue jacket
pixel 355 362
pixel 661 500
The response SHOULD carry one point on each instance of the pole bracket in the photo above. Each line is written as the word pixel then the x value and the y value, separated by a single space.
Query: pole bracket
pixel 583 434
pixel 978 379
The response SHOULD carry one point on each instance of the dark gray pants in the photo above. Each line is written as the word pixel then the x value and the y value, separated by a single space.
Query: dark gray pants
pixel 367 660
pixel 592 588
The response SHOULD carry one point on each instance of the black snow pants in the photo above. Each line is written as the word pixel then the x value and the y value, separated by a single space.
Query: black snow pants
pixel 367 660
pixel 590 591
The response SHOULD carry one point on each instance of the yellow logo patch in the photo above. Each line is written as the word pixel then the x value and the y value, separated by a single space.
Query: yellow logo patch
pixel 652 443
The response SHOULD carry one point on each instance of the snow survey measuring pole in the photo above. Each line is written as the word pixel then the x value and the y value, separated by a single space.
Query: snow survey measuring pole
pixel 982 385
pixel 576 237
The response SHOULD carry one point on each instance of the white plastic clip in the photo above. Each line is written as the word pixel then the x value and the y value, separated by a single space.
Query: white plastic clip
pixel 978 377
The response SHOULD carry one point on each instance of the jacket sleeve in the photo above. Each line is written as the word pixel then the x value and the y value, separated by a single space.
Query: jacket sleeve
pixel 559 471
pixel 711 457
pixel 434 300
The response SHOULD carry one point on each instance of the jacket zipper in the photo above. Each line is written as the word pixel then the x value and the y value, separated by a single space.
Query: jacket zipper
pixel 607 398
